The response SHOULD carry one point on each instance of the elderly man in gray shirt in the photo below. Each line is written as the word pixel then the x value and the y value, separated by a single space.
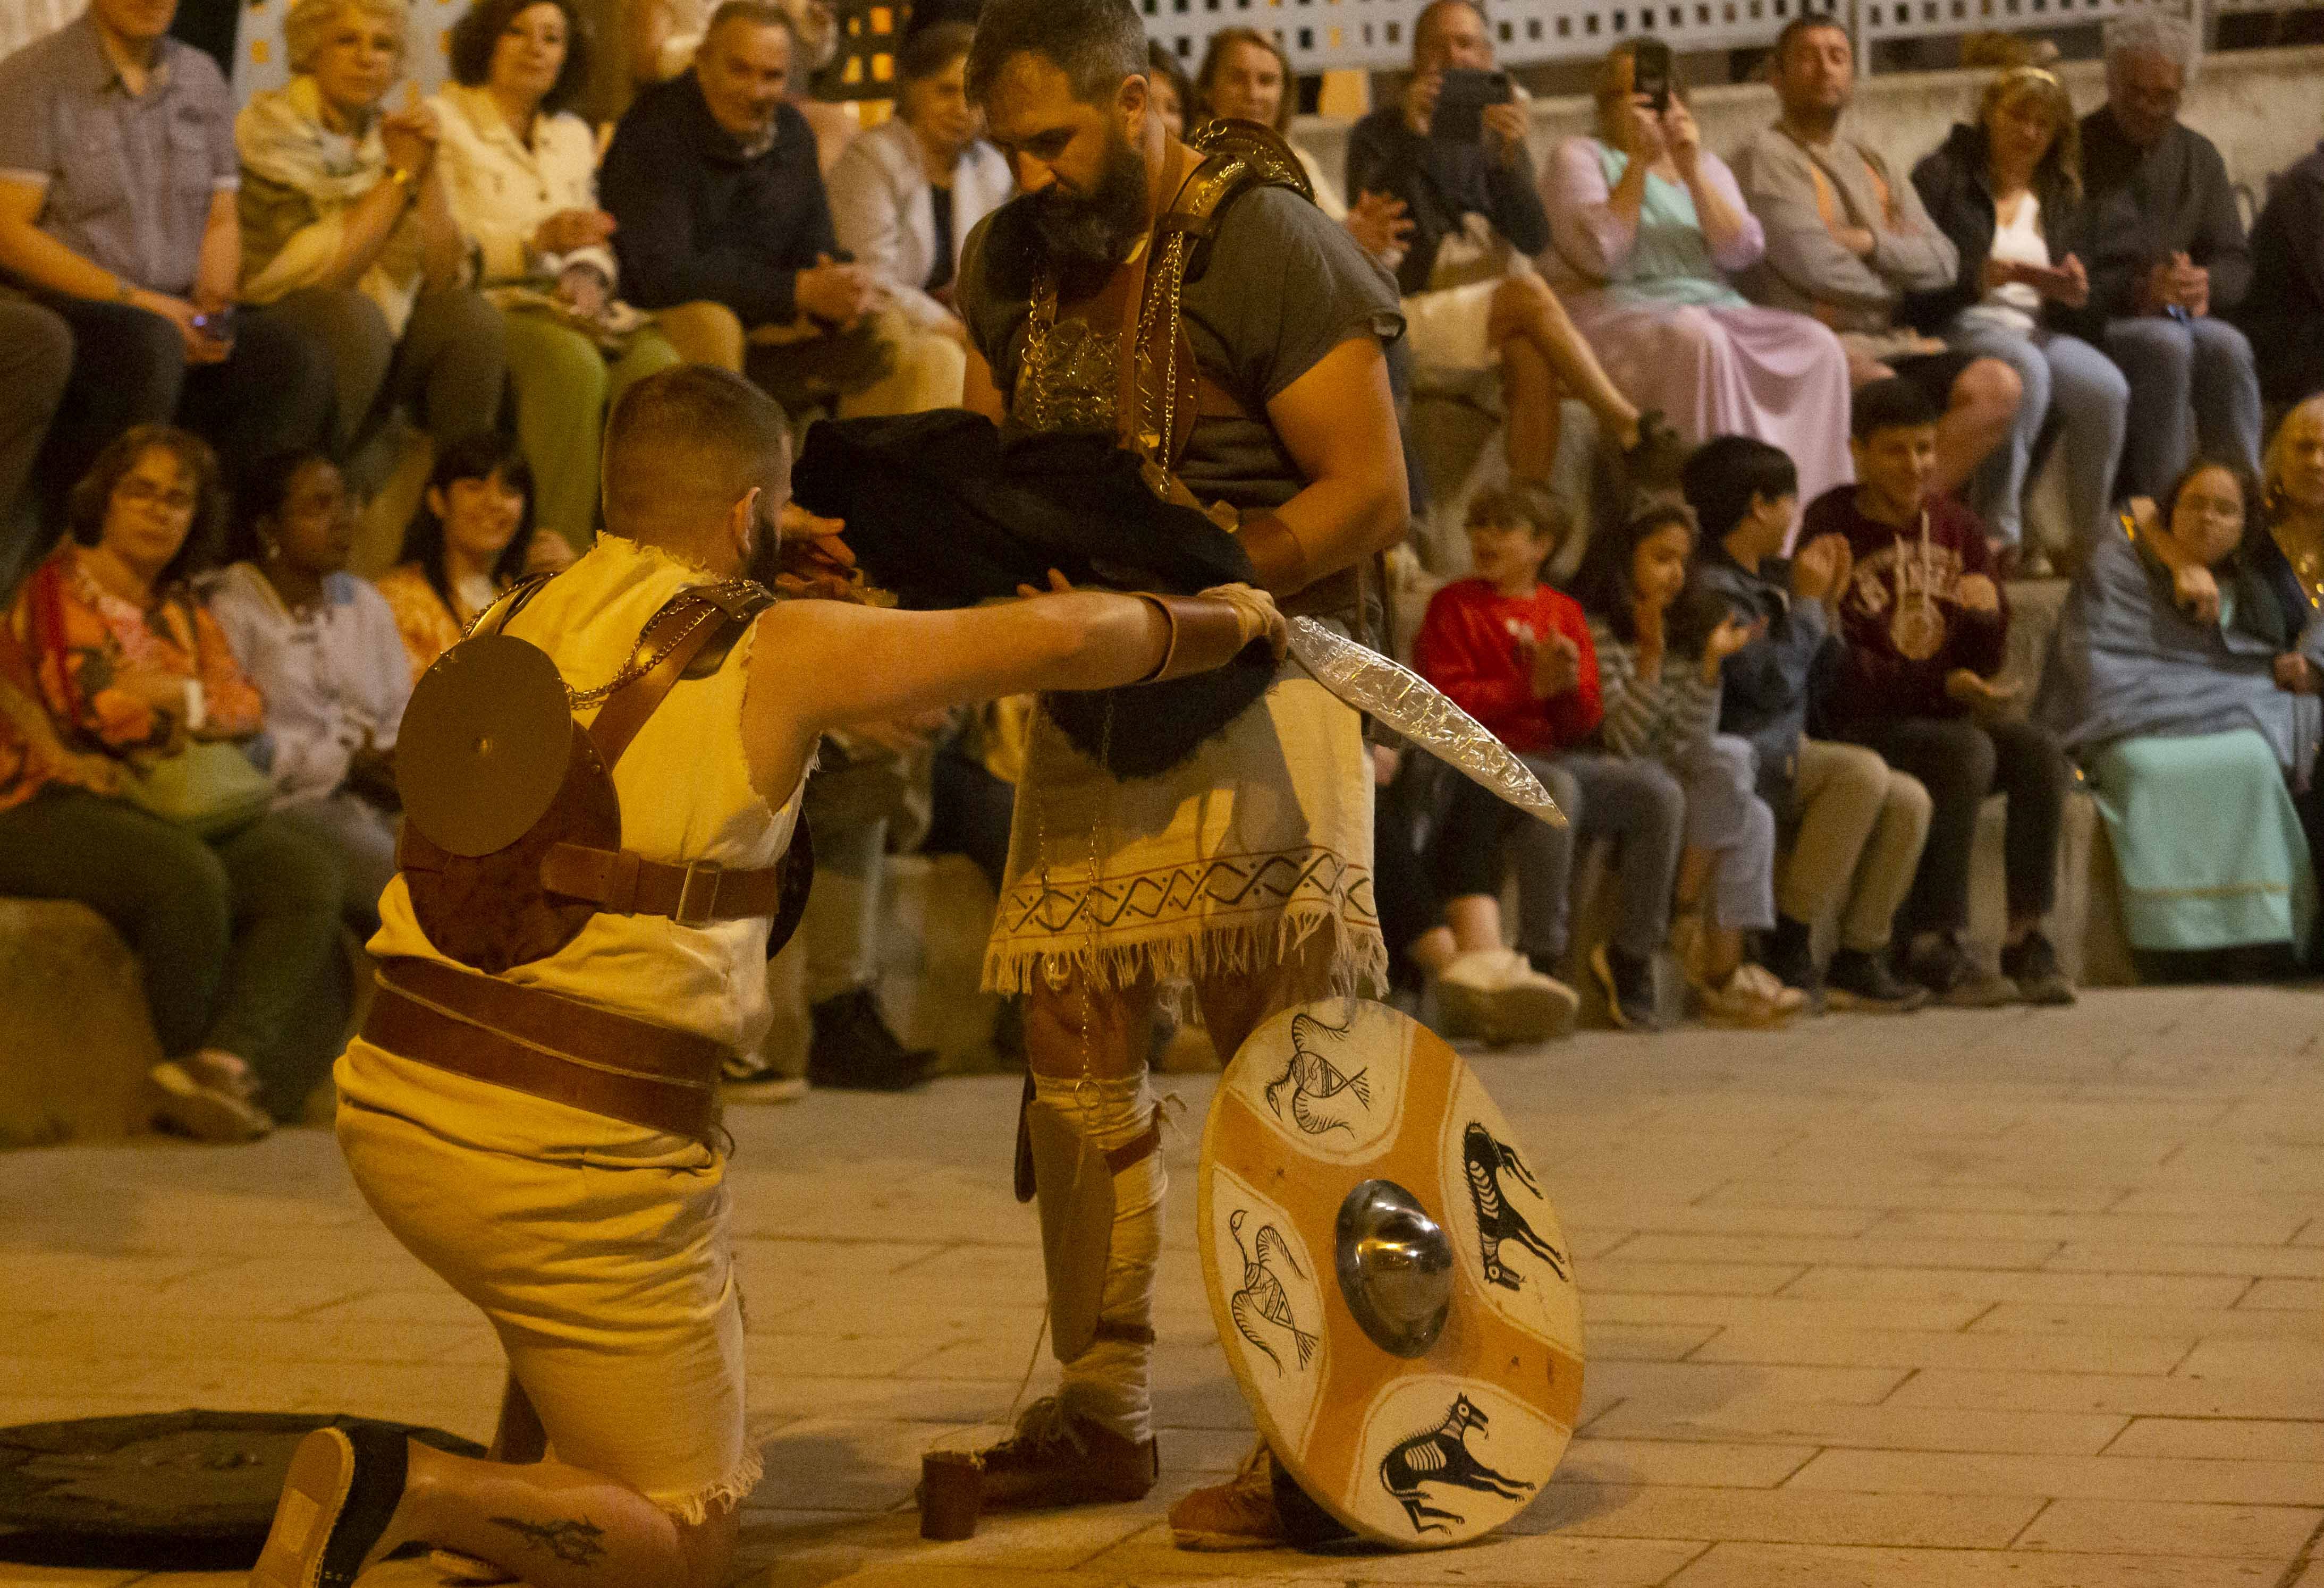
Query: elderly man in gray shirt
pixel 1847 239
pixel 117 181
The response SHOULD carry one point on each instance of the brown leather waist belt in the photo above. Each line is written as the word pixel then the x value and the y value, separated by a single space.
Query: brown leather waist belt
pixel 547 1046
pixel 620 882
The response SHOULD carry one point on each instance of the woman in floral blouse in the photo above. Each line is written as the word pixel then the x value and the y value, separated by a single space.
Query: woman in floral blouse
pixel 238 934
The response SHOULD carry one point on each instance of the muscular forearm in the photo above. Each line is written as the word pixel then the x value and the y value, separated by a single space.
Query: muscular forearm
pixel 1333 524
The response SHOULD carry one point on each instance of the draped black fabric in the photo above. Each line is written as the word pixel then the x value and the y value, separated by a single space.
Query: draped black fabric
pixel 945 511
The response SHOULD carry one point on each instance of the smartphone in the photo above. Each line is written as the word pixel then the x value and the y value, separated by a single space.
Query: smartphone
pixel 1460 116
pixel 1652 73
pixel 217 324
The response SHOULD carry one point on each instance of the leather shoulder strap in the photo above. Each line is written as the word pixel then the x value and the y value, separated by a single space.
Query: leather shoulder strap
pixel 495 618
pixel 678 635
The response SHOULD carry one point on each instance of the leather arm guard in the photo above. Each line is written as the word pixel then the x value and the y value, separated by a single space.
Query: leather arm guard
pixel 1205 634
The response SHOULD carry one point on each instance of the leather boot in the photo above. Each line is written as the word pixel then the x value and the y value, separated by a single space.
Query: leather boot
pixel 1057 1459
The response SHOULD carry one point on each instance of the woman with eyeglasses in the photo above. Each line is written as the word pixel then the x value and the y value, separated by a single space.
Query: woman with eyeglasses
pixel 110 671
pixel 2177 680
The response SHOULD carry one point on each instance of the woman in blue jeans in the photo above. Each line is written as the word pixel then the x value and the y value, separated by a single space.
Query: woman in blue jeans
pixel 2007 190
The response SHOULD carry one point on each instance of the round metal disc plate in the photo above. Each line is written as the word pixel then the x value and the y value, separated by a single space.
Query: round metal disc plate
pixel 483 746
pixel 1418 1452
pixel 180 1478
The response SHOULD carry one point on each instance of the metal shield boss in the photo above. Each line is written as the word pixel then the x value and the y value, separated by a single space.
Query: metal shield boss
pixel 1390 1285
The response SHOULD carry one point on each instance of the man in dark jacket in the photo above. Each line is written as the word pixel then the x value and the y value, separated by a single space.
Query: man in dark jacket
pixel 2167 258
pixel 2283 312
pixel 1470 213
pixel 725 233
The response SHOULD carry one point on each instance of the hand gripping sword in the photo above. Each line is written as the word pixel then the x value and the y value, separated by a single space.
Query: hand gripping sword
pixel 1416 708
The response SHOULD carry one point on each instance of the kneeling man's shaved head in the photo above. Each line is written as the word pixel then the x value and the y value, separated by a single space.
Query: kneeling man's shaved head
pixel 683 446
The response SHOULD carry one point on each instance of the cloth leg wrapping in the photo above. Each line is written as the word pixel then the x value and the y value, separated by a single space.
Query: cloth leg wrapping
pixel 1106 1381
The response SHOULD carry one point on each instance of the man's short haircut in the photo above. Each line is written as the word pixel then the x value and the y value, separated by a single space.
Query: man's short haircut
pixel 1522 504
pixel 691 438
pixel 1807 21
pixel 2151 33
pixel 1098 45
pixel 1894 404
pixel 1727 472
pixel 1426 21
pixel 759 13
pixel 931 51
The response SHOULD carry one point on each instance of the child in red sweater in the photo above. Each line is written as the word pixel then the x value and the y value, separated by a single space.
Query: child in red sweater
pixel 1517 656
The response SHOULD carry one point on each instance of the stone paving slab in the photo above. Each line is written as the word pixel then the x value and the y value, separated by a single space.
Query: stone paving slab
pixel 1963 1300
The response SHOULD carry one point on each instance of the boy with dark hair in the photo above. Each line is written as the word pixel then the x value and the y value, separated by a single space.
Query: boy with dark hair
pixel 1927 626
pixel 1857 824
pixel 1517 656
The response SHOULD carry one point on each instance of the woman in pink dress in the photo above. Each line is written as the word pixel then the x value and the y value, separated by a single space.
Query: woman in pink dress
pixel 1645 227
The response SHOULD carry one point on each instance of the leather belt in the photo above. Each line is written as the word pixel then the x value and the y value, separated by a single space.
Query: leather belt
pixel 547 1045
pixel 621 882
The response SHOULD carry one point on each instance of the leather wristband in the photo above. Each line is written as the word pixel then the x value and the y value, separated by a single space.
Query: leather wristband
pixel 1275 553
pixel 1204 634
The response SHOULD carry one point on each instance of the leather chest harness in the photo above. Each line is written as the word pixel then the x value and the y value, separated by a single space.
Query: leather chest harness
pixel 512 842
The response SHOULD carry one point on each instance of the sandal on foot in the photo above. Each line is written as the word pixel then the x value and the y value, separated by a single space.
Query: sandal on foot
pixel 344 1486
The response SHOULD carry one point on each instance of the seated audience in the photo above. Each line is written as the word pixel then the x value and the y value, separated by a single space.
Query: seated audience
pixel 1847 241
pixel 2007 190
pixel 663 36
pixel 1517 655
pixel 2167 260
pixel 1173 95
pixel 471 541
pixel 347 233
pixel 1648 227
pixel 1245 76
pixel 140 253
pixel 724 231
pixel 1857 824
pixel 321 646
pixel 1658 662
pixel 2174 679
pixel 907 194
pixel 2282 314
pixel 1926 625
pixel 1472 299
pixel 521 173
pixel 234 921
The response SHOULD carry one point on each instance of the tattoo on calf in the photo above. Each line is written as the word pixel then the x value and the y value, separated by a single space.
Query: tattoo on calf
pixel 575 1543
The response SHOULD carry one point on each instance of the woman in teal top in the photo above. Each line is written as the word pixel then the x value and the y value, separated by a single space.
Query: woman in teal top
pixel 1646 225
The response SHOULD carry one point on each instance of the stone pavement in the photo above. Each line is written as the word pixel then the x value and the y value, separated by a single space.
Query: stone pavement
pixel 2020 1298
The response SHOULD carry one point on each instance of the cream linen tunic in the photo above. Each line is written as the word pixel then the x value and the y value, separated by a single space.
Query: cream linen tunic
pixel 599 1250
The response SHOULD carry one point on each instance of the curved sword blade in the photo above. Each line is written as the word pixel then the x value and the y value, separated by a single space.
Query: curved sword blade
pixel 1420 711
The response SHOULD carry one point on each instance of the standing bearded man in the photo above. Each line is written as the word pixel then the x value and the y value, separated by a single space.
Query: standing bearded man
pixel 1247 867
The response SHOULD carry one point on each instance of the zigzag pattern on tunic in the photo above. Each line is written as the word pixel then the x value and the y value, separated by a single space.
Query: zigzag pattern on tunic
pixel 1220 885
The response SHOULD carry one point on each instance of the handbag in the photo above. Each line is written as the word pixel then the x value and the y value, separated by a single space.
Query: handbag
pixel 209 789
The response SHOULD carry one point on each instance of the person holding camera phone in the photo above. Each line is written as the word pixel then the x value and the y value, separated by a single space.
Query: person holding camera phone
pixel 1648 225
pixel 1451 159
pixel 138 250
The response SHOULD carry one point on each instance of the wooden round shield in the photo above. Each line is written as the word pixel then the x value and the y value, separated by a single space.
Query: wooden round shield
pixel 1391 1287
pixel 484 744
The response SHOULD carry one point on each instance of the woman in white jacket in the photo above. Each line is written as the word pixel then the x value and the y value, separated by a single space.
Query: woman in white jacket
pixel 521 173
pixel 906 194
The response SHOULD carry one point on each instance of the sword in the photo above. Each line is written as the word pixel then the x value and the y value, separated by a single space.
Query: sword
pixel 1421 712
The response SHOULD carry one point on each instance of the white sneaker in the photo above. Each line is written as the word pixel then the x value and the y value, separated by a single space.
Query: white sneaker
pixel 1497 996
pixel 1746 1002
pixel 1763 983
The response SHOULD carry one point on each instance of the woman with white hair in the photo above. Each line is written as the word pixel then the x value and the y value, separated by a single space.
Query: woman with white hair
pixel 521 172
pixel 345 229
pixel 2168 262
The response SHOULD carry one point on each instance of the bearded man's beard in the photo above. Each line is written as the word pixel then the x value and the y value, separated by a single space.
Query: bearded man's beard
pixel 1098 228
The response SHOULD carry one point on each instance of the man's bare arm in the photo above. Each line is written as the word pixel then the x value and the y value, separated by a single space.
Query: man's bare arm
pixel 817 665
pixel 1338 422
